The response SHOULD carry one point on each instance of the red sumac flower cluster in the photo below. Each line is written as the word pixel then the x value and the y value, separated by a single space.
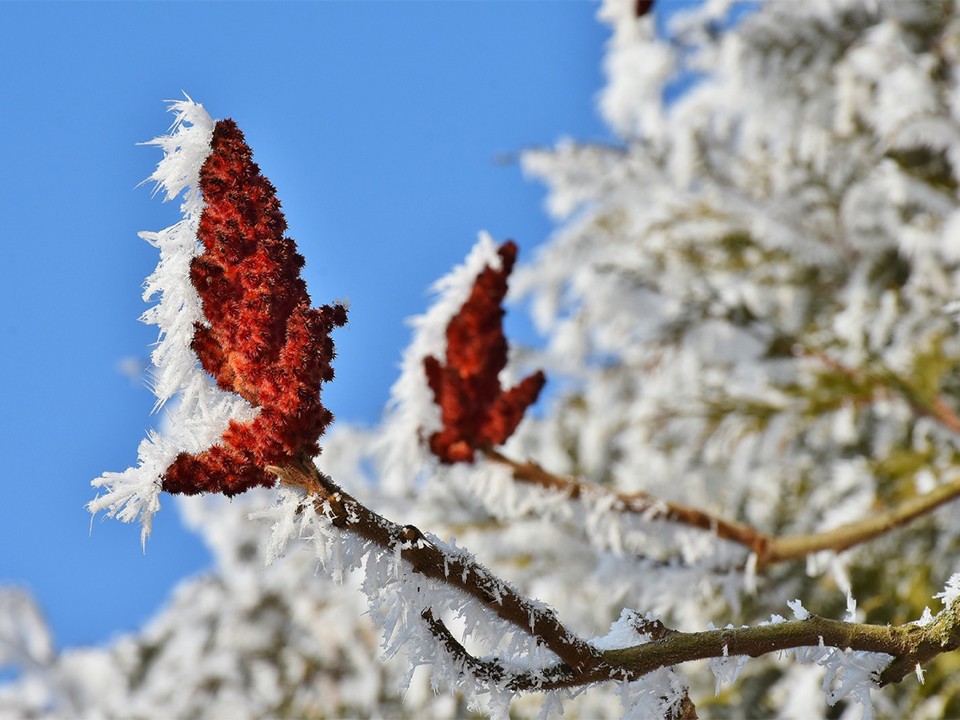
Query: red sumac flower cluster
pixel 262 339
pixel 475 409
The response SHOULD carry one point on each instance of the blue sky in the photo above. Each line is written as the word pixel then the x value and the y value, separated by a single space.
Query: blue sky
pixel 381 124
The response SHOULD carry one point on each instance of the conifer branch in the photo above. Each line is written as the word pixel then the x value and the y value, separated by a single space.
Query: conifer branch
pixel 937 408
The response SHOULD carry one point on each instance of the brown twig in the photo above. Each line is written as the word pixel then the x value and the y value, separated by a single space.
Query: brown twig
pixel 909 645
pixel 457 571
pixel 942 412
pixel 769 549
pixel 639 503
pixel 493 672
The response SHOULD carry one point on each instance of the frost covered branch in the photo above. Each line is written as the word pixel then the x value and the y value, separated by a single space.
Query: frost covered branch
pixel 908 646
pixel 457 571
pixel 769 549
pixel 640 503
pixel 495 673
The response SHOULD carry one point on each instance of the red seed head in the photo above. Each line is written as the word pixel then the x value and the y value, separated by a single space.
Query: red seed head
pixel 475 410
pixel 262 339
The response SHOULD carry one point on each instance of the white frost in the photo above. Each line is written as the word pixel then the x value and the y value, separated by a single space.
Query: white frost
pixel 412 413
pixel 202 410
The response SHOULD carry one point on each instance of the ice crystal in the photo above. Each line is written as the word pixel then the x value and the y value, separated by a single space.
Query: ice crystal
pixel 202 411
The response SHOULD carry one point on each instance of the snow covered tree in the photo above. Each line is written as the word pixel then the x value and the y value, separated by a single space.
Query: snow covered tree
pixel 751 404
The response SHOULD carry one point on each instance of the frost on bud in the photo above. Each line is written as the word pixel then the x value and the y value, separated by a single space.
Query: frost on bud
pixel 261 338
pixel 475 410
pixel 230 295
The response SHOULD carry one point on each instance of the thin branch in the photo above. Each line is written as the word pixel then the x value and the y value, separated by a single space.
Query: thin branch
pixel 640 503
pixel 427 559
pixel 942 412
pixel 909 645
pixel 861 531
pixel 491 671
pixel 769 549
pixel 486 670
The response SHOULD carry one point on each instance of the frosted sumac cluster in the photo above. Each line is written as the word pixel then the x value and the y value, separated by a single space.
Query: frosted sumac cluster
pixel 261 338
pixel 476 411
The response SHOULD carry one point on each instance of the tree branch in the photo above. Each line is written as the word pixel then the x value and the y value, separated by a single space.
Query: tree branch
pixel 492 671
pixel 769 549
pixel 640 503
pixel 427 559
pixel 854 533
pixel 580 663
pixel 909 645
